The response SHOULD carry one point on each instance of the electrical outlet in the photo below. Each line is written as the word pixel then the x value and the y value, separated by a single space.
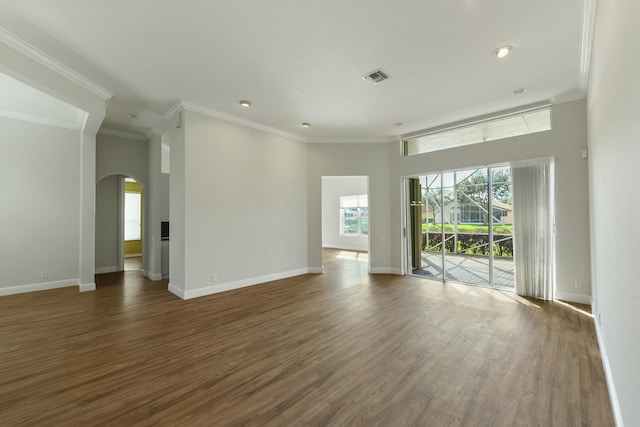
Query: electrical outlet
pixel 43 274
pixel 286 264
pixel 577 284
pixel 214 277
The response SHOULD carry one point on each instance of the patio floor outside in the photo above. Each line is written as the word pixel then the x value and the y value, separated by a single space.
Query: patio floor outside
pixel 472 269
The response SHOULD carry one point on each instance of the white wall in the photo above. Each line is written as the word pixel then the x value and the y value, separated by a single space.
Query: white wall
pixel 40 210
pixel 117 155
pixel 107 224
pixel 565 143
pixel 333 187
pixel 244 206
pixel 614 151
pixel 370 160
pixel 165 197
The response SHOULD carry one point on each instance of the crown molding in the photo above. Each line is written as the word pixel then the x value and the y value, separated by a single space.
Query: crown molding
pixel 569 97
pixel 171 112
pixel 152 132
pixel 122 134
pixel 375 140
pixel 42 58
pixel 588 29
pixel 190 106
pixel 15 115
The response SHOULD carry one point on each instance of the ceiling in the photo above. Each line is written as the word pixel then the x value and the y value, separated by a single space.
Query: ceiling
pixel 302 61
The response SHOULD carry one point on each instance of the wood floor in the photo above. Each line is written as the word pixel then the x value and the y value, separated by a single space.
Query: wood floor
pixel 341 348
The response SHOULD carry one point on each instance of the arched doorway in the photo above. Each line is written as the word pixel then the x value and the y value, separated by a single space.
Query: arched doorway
pixel 119 224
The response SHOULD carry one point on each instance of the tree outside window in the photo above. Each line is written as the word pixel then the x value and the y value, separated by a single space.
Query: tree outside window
pixel 354 215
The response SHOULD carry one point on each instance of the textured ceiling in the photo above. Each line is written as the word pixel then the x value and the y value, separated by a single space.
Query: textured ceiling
pixel 302 61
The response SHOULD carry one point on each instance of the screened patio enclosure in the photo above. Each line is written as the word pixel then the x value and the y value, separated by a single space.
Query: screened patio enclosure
pixel 461 226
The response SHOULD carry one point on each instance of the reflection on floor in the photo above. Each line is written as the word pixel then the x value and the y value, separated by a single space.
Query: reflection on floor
pixel 133 263
pixel 353 255
pixel 471 269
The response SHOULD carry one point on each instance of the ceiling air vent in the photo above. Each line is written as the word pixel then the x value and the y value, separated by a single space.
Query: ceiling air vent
pixel 376 76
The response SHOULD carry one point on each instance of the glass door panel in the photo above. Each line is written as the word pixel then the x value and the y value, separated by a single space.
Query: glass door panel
pixel 502 205
pixel 467 251
pixel 432 227
pixel 458 239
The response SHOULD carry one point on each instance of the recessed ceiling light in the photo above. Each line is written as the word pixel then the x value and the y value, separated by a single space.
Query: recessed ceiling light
pixel 519 91
pixel 306 125
pixel 132 116
pixel 502 51
pixel 245 103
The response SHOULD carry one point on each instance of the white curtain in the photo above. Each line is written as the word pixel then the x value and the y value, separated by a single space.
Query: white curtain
pixel 533 231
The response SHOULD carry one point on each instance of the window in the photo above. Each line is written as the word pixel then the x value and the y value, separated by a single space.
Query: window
pixel 523 123
pixel 354 215
pixel 132 217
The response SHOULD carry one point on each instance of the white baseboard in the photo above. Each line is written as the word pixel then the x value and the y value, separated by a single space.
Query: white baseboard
pixel 86 287
pixel 385 270
pixel 165 276
pixel 103 270
pixel 154 276
pixel 347 248
pixel 613 396
pixel 316 270
pixel 179 292
pixel 579 298
pixel 223 287
pixel 12 290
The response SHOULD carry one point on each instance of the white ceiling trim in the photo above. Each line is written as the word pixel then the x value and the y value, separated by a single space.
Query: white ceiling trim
pixel 37 55
pixel 588 28
pixel 43 120
pixel 171 112
pixel 376 140
pixel 189 106
pixel 122 134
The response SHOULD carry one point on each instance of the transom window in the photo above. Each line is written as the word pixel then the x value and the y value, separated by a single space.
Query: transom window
pixel 506 126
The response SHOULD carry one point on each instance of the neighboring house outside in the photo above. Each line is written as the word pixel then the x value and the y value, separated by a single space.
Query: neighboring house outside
pixel 470 213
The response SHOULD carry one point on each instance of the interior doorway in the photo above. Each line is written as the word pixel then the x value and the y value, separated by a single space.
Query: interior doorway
pixel 119 224
pixel 460 226
pixel 132 217
pixel 345 218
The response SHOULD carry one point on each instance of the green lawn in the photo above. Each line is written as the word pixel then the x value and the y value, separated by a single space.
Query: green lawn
pixel 467 228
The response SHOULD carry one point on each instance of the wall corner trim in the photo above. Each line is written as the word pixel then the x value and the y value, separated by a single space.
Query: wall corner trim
pixel 613 396
pixel 87 287
pixel 121 134
pixel 588 30
pixel 190 106
pixel 54 65
pixel 385 270
pixel 103 270
pixel 571 297
pixel 223 287
pixel 177 291
pixel 154 276
pixel 33 287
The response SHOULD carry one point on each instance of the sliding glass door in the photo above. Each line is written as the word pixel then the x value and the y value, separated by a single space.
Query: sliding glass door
pixel 467 227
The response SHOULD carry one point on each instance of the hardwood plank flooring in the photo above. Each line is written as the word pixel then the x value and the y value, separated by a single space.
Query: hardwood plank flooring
pixel 341 348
